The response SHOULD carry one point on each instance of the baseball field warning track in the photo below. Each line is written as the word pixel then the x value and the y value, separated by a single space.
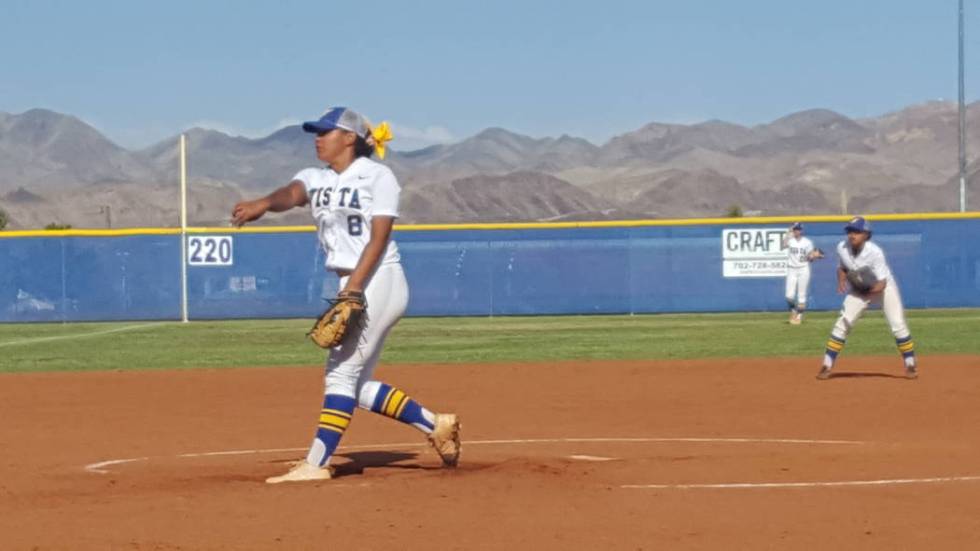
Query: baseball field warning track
pixel 637 455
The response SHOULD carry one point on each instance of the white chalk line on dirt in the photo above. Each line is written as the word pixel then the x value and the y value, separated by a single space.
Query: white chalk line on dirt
pixel 100 467
pixel 80 335
pixel 829 484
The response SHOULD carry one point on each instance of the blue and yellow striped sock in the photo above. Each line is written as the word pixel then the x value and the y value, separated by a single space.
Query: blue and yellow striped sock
pixel 834 346
pixel 334 419
pixel 907 349
pixel 394 403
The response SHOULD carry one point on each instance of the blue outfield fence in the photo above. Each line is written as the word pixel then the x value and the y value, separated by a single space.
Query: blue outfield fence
pixel 472 272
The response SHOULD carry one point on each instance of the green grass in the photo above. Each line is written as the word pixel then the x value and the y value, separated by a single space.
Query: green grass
pixel 136 345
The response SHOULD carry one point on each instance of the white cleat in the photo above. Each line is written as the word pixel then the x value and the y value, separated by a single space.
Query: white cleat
pixel 445 438
pixel 302 472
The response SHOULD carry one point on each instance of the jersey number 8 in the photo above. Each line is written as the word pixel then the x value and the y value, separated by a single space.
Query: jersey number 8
pixel 355 225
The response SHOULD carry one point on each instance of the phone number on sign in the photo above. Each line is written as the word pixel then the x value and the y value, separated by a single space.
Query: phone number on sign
pixel 754 268
pixel 759 265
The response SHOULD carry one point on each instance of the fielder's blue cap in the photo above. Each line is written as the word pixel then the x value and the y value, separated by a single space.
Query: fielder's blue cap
pixel 338 117
pixel 858 224
pixel 797 226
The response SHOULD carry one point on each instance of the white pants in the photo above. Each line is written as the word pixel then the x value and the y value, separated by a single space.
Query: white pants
pixel 855 305
pixel 797 284
pixel 350 366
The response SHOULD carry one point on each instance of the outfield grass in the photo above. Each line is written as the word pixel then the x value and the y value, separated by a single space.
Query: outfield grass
pixel 136 345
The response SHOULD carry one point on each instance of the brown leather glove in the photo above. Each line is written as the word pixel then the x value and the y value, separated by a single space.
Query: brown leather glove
pixel 336 322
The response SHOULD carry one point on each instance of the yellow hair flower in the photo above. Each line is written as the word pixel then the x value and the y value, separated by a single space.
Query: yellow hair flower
pixel 380 135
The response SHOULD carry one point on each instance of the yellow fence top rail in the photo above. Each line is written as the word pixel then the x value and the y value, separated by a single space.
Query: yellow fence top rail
pixel 502 226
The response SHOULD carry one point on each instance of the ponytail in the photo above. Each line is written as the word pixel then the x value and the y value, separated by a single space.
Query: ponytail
pixel 362 148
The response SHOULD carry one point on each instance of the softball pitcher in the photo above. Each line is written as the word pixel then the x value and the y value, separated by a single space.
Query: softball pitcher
pixel 863 273
pixel 800 252
pixel 354 201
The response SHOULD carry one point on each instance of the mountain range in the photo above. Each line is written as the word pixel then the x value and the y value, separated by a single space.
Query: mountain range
pixel 55 168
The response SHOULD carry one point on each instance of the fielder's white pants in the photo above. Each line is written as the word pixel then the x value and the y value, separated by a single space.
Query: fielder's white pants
pixel 855 305
pixel 797 284
pixel 350 366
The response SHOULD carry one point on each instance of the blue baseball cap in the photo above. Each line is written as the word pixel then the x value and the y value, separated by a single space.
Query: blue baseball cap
pixel 858 224
pixel 339 117
pixel 797 226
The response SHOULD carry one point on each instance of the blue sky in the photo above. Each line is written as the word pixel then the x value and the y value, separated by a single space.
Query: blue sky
pixel 442 70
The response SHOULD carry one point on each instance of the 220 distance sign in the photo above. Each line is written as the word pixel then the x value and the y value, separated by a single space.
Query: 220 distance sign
pixel 210 250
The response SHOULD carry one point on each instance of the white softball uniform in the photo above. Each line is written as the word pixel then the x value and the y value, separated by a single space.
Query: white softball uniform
pixel 798 269
pixel 352 363
pixel 350 366
pixel 854 305
pixel 344 206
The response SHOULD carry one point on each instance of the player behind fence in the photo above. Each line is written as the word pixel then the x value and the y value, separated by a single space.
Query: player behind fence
pixel 354 201
pixel 799 254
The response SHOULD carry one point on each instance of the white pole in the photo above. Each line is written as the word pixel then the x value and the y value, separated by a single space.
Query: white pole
pixel 962 106
pixel 183 228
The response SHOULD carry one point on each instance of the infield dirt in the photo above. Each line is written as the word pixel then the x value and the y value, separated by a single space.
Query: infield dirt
pixel 552 456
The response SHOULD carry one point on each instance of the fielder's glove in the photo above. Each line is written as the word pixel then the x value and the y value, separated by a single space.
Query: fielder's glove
pixel 332 326
pixel 817 254
pixel 862 280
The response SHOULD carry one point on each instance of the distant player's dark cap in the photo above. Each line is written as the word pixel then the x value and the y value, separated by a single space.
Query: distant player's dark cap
pixel 797 226
pixel 339 117
pixel 858 224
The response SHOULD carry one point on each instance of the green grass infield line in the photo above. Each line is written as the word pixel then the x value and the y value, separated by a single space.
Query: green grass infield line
pixel 247 343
